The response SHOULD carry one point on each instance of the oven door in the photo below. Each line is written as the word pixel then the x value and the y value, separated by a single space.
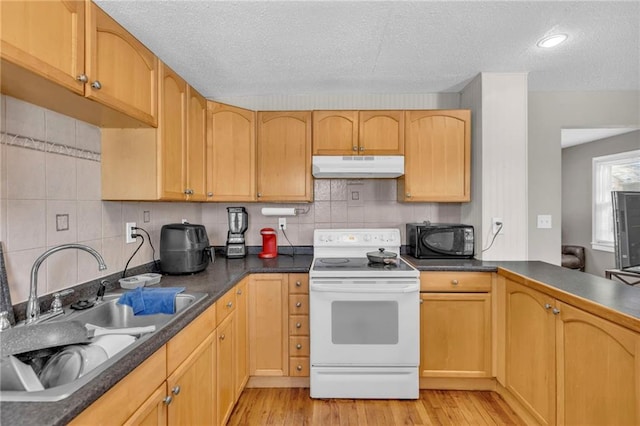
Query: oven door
pixel 364 322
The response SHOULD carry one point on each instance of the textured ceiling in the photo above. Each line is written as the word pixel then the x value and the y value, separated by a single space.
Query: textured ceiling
pixel 240 48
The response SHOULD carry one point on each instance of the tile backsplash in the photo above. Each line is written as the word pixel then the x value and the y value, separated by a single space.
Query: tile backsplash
pixel 50 170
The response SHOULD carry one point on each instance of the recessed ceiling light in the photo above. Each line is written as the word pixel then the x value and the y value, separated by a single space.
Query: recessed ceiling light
pixel 552 41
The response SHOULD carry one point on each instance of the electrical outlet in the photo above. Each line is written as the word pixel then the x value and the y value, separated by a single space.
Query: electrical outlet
pixel 129 231
pixel 496 227
pixel 282 223
pixel 544 221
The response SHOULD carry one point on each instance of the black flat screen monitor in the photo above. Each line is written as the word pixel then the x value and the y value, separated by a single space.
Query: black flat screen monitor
pixel 626 224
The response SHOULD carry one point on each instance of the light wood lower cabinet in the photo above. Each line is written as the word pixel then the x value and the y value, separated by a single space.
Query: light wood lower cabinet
pixel 226 364
pixel 567 366
pixel 455 325
pixel 153 412
pixel 241 337
pixel 268 325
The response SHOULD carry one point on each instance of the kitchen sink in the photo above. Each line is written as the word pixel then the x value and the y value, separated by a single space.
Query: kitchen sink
pixel 14 372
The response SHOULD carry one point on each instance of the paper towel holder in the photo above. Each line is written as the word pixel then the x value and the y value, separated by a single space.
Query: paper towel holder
pixel 275 211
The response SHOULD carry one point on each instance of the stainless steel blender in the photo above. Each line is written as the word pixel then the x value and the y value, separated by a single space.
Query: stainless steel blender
pixel 238 224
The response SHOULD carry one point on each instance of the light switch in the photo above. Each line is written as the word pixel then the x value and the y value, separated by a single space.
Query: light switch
pixel 62 222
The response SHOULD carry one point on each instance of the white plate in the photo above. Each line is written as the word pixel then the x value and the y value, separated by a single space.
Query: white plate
pixel 113 343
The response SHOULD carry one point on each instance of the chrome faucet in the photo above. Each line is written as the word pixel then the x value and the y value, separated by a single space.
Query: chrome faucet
pixel 33 307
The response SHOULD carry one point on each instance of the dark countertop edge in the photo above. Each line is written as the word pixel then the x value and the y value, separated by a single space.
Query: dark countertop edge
pixel 573 283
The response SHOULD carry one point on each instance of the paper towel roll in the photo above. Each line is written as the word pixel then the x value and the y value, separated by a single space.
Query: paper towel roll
pixel 271 211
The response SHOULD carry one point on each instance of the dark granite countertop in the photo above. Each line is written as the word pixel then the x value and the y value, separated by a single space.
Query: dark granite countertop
pixel 225 273
pixel 215 281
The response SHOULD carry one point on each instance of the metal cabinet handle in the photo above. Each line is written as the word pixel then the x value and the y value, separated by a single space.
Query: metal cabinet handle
pixel 298 325
pixel 555 311
pixel 454 282
pixel 547 306
pixel 167 400
pixel 209 194
pixel 298 284
pixel 176 390
pixel 259 194
pixel 222 337
pixel 408 195
pixel 82 78
pixel 96 85
pixel 298 346
pixel 239 292
pixel 229 305
pixel 188 191
pixel 299 367
pixel 299 304
pixel 361 148
pixel 355 148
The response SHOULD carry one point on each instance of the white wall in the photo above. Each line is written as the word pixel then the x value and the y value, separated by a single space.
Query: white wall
pixel 499 163
pixel 549 112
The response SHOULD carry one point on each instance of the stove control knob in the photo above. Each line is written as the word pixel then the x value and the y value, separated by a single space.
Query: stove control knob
pixel 367 237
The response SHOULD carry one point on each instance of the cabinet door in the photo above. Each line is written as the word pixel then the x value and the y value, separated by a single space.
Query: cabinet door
pixel 196 150
pixel 226 365
pixel 172 135
pixel 530 350
pixel 284 156
pixel 455 335
pixel 268 325
pixel 122 73
pixel 381 133
pixel 598 370
pixel 231 153
pixel 241 337
pixel 335 132
pixel 192 387
pixel 437 156
pixel 153 412
pixel 45 37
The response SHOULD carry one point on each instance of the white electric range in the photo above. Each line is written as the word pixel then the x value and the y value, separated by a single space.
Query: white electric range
pixel 364 317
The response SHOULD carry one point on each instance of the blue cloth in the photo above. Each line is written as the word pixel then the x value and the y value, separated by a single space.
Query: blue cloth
pixel 149 301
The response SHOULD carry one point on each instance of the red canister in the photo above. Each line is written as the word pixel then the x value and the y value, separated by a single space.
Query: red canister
pixel 269 243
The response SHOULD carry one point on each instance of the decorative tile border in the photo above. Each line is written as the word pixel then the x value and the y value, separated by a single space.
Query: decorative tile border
pixel 46 146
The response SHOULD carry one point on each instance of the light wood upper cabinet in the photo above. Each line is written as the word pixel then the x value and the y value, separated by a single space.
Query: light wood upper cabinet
pixel 437 157
pixel 45 37
pixel 284 156
pixel 121 71
pixel 172 133
pixel 231 153
pixel 381 133
pixel 335 132
pixel 358 132
pixel 196 149
pixel 598 366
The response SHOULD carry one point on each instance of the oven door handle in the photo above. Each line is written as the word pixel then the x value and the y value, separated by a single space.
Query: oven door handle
pixel 333 288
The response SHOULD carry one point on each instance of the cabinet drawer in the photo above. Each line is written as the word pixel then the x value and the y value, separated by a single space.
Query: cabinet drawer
pixel 186 341
pixel 298 304
pixel 226 304
pixel 470 282
pixel 299 325
pixel 298 346
pixel 299 366
pixel 298 283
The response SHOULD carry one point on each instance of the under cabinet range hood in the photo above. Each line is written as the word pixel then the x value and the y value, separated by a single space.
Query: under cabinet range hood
pixel 358 166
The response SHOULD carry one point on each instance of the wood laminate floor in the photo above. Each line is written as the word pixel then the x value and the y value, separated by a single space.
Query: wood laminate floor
pixel 292 406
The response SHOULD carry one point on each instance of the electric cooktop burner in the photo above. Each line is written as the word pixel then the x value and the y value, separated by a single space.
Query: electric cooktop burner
pixel 357 264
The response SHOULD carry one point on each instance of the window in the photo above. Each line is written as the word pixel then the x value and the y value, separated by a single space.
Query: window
pixel 617 172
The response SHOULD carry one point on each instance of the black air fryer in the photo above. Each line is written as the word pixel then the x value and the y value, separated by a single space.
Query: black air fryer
pixel 184 249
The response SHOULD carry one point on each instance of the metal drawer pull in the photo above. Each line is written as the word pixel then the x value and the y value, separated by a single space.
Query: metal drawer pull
pixel 298 284
pixel 299 304
pixel 222 337
pixel 82 78
pixel 454 282
pixel 96 85
pixel 298 346
pixel 229 305
pixel 299 367
pixel 167 400
pixel 176 390
pixel 547 306
pixel 555 311
pixel 298 325
pixel 239 292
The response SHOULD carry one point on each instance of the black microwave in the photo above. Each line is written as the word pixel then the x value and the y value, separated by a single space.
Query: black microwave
pixel 440 240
